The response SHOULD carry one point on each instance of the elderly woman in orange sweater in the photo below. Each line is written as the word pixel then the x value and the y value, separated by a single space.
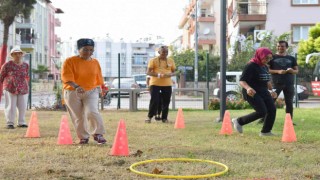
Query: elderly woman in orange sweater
pixel 81 76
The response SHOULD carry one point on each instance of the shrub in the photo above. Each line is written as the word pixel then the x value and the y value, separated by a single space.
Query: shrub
pixel 214 104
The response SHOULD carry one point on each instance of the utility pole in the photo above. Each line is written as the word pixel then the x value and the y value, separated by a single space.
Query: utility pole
pixel 223 55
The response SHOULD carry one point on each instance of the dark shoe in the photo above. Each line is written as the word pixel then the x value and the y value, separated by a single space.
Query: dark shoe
pixel 22 125
pixel 84 141
pixel 99 138
pixel 158 118
pixel 10 127
pixel 165 120
pixel 148 120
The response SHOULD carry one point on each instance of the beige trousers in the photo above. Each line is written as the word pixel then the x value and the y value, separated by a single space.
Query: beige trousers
pixel 11 104
pixel 83 109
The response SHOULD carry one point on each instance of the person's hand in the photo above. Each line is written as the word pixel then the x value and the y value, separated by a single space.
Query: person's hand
pixel 282 72
pixel 289 70
pixel 273 94
pixel 103 92
pixel 251 92
pixel 79 89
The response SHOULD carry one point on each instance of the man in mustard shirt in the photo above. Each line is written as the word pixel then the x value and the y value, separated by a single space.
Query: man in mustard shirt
pixel 160 69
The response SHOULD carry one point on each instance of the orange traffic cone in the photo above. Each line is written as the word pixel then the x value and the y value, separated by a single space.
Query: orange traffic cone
pixel 64 136
pixel 226 124
pixel 33 128
pixel 120 144
pixel 179 124
pixel 288 131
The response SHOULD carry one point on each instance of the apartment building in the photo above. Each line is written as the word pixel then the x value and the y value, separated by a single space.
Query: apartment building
pixel 256 17
pixel 36 36
pixel 133 57
pixel 246 18
pixel 204 14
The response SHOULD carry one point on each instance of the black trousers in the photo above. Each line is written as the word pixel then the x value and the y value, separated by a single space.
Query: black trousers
pixel 159 110
pixel 288 92
pixel 264 108
pixel 165 98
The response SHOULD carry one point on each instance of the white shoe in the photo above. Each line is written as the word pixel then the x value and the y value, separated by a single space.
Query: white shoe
pixel 236 125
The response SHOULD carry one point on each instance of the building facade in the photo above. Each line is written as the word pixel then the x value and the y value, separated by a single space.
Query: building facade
pixel 257 17
pixel 203 14
pixel 36 36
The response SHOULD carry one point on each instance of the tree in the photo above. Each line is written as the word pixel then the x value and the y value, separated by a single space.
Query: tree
pixel 41 69
pixel 186 59
pixel 309 46
pixel 9 9
pixel 244 51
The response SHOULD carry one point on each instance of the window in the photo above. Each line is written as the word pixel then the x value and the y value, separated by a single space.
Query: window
pixel 300 32
pixel 203 12
pixel 303 2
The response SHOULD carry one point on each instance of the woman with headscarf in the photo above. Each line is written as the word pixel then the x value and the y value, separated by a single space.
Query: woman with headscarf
pixel 257 90
pixel 81 76
pixel 14 76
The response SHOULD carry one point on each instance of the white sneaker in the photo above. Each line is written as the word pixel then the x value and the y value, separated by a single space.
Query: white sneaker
pixel 236 125
pixel 267 134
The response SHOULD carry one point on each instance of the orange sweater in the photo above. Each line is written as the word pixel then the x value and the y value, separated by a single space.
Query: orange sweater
pixel 86 74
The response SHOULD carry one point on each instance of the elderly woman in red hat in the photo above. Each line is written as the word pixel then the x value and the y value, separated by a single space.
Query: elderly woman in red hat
pixel 14 77
pixel 81 76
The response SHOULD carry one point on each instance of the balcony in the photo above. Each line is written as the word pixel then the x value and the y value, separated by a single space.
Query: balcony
pixel 57 22
pixel 26 23
pixel 58 39
pixel 206 39
pixel 207 18
pixel 249 14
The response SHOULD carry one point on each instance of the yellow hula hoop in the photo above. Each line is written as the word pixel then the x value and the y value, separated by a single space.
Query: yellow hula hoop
pixel 179 177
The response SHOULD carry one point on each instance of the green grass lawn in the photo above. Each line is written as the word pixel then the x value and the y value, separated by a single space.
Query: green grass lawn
pixel 248 156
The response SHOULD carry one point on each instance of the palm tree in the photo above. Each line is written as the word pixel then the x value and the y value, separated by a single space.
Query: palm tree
pixel 9 9
pixel 41 70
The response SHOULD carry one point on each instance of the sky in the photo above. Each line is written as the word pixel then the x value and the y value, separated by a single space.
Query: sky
pixel 127 19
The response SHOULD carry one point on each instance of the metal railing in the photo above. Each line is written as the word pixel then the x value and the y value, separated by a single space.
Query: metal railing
pixel 135 93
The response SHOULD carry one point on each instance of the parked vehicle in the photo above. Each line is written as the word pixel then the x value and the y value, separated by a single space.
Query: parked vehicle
pixel 125 83
pixel 233 89
pixel 141 79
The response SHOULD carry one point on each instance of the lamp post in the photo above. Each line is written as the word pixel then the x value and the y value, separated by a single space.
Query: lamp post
pixel 196 47
pixel 30 80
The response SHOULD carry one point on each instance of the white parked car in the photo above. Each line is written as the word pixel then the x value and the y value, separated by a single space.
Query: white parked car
pixel 233 89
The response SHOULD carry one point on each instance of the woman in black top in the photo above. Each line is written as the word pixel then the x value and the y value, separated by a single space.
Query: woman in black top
pixel 257 90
